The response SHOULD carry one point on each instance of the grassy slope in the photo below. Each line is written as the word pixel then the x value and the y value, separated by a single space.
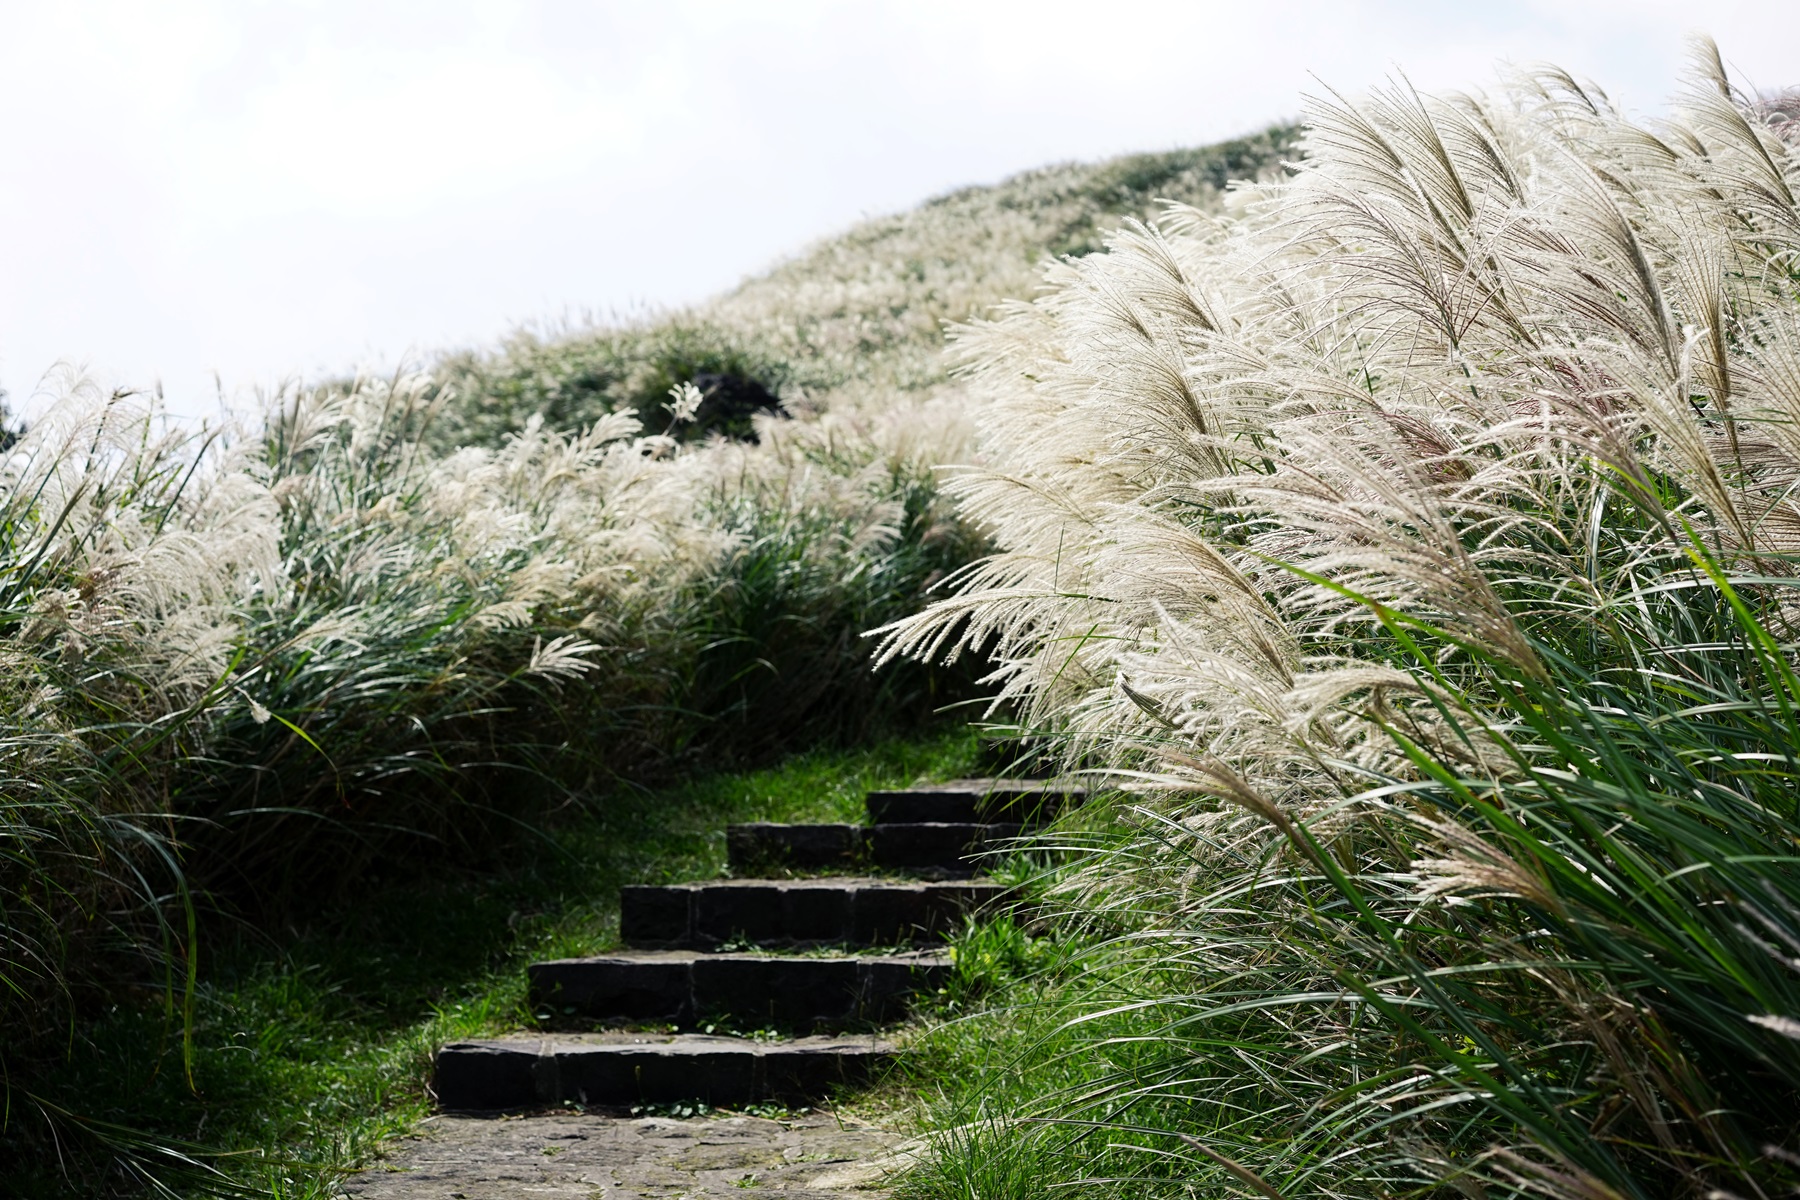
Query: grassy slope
pixel 856 316
pixel 310 1044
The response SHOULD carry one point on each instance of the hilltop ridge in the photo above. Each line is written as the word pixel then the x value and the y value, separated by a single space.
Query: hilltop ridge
pixel 860 310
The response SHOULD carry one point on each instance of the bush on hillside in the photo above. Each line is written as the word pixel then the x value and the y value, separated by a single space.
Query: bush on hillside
pixel 571 382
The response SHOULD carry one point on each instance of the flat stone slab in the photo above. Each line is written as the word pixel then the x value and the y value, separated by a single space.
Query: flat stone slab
pixel 686 985
pixel 915 845
pixel 758 844
pixel 976 801
pixel 589 1157
pixel 948 847
pixel 798 912
pixel 621 1069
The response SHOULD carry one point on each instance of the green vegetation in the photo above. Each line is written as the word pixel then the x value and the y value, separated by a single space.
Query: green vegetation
pixel 857 320
pixel 309 1045
pixel 401 626
pixel 1412 537
pixel 1419 547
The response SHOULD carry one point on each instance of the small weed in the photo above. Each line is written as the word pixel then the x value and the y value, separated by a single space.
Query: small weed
pixel 994 956
pixel 773 1112
pixel 679 1109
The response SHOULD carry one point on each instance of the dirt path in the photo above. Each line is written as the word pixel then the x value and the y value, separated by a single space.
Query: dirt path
pixel 589 1157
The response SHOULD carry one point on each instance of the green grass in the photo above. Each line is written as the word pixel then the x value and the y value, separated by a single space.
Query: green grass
pixel 1022 1033
pixel 312 1045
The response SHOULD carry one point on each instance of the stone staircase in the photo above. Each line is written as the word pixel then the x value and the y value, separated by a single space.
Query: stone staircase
pixel 826 960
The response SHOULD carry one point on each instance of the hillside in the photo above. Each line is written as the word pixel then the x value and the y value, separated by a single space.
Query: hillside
pixel 1416 549
pixel 371 632
pixel 864 310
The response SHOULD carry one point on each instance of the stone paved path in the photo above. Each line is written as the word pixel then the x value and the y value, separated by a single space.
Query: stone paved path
pixel 887 935
pixel 591 1157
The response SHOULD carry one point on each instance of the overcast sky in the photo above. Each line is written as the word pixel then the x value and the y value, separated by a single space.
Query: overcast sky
pixel 269 189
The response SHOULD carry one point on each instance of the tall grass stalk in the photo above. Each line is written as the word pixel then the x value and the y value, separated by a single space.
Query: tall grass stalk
pixel 1416 541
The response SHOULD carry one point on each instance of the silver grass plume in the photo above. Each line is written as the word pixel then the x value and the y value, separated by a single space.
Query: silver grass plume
pixel 1480 369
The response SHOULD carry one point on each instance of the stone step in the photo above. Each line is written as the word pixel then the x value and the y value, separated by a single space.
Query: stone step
pixel 946 847
pixel 621 1069
pixel 973 801
pixel 684 986
pixel 769 912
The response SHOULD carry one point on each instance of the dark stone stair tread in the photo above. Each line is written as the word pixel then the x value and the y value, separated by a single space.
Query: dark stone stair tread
pixel 694 956
pixel 909 845
pixel 812 882
pixel 912 844
pixel 683 985
pixel 974 801
pixel 623 1068
pixel 848 910
pixel 756 843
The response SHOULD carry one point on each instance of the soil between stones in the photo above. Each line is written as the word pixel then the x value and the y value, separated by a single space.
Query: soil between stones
pixel 568 1156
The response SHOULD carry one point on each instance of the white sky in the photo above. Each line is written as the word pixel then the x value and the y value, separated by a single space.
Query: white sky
pixel 265 189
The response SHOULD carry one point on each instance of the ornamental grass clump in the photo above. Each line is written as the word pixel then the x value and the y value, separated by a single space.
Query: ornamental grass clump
pixel 1416 544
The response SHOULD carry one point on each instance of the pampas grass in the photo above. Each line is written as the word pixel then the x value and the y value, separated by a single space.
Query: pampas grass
pixel 260 662
pixel 1415 541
